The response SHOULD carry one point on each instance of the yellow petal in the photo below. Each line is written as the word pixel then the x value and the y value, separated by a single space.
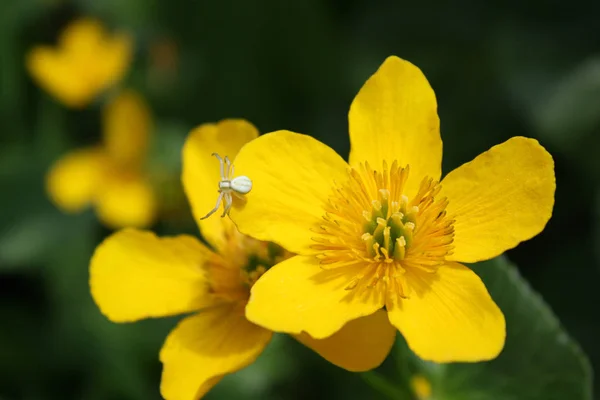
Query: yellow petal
pixel 361 345
pixel 135 275
pixel 54 72
pixel 74 180
pixel 394 117
pixel 205 347
pixel 126 202
pixel 292 177
pixel 82 35
pixel 296 295
pixel 449 316
pixel 85 63
pixel 501 198
pixel 117 55
pixel 127 125
pixel 201 171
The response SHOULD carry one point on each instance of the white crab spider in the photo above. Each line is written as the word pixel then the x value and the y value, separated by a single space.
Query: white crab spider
pixel 238 186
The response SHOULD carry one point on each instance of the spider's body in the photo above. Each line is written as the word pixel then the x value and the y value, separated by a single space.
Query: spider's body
pixel 238 186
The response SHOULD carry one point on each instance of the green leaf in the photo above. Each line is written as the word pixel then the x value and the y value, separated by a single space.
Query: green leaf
pixel 539 361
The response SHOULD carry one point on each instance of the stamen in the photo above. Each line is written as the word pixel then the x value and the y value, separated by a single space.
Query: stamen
pixel 370 221
pixel 400 249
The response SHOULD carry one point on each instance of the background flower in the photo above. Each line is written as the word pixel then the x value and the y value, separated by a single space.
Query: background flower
pixel 111 176
pixel 86 61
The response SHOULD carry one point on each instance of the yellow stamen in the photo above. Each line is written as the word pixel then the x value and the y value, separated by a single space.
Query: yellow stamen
pixel 369 220
pixel 245 260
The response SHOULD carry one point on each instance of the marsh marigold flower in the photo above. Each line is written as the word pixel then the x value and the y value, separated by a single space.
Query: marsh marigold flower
pixel 86 61
pixel 110 176
pixel 135 275
pixel 383 231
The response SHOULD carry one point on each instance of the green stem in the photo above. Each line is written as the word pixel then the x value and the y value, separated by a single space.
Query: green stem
pixel 402 355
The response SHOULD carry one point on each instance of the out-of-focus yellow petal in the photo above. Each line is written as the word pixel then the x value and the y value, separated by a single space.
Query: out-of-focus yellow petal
pixel 293 175
pixel 205 347
pixel 361 345
pixel 104 57
pixel 53 71
pixel 82 35
pixel 113 66
pixel 394 117
pixel 449 316
pixel 135 275
pixel 74 180
pixel 86 61
pixel 126 202
pixel 501 198
pixel 201 171
pixel 297 295
pixel 127 125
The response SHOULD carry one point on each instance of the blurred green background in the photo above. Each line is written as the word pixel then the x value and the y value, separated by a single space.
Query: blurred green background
pixel 499 69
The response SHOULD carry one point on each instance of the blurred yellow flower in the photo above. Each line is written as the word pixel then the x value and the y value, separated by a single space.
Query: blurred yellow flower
pixel 87 61
pixel 110 176
pixel 420 387
pixel 135 275
pixel 382 230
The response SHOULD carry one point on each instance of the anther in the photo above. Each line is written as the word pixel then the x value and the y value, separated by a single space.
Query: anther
pixel 400 248
pixel 376 205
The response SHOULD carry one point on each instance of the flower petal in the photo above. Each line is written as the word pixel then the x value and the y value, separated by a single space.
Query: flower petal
pixel 135 275
pixel 85 63
pixel 103 56
pixel 292 177
pixel 117 55
pixel 127 126
pixel 201 171
pixel 394 117
pixel 75 179
pixel 362 344
pixel 449 316
pixel 297 295
pixel 53 72
pixel 205 347
pixel 501 198
pixel 82 35
pixel 126 202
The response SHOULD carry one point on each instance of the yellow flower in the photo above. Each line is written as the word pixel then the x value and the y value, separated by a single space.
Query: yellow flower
pixel 382 231
pixel 110 176
pixel 86 62
pixel 136 275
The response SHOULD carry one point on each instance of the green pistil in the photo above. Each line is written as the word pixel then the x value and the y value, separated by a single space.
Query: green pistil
pixel 264 260
pixel 254 262
pixel 393 232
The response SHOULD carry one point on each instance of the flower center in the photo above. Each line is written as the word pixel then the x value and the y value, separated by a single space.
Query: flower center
pixel 370 221
pixel 241 263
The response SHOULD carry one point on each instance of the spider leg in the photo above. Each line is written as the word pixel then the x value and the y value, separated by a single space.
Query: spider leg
pixel 228 203
pixel 228 167
pixel 214 210
pixel 221 164
pixel 232 170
